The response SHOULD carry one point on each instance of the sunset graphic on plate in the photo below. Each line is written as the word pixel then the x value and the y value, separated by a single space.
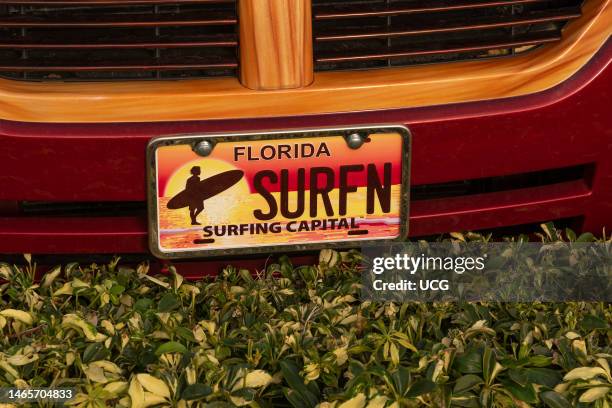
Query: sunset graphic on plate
pixel 279 192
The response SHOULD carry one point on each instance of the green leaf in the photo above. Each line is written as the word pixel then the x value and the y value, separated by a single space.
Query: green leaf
pixel 95 352
pixel 591 322
pixel 466 401
pixel 185 334
pixel 543 376
pixel 168 303
pixel 170 347
pixel 313 388
pixel 553 399
pixel 143 304
pixel 523 393
pixel 540 361
pixel 248 394
pixel 549 230
pixel 294 398
pixel 116 290
pixel 220 404
pixel 488 364
pixel 286 268
pixel 518 375
pixel 420 387
pixel 401 380
pixel 291 375
pixel 469 362
pixel 586 237
pixel 196 391
pixel 466 383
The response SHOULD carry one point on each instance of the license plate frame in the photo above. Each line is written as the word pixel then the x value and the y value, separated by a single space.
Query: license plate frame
pixel 153 199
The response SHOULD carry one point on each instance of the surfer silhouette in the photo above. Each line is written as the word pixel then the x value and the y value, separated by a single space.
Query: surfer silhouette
pixel 196 204
pixel 197 191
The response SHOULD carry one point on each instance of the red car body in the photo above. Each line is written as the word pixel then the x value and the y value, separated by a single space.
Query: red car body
pixel 566 129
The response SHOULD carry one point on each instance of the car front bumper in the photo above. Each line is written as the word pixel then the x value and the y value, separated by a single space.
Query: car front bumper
pixel 475 166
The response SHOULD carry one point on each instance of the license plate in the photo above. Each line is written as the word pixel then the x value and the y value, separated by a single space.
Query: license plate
pixel 277 191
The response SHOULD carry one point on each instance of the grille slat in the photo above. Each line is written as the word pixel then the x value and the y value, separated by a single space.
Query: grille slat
pixel 451 26
pixel 133 42
pixel 108 40
pixel 136 66
pixel 74 20
pixel 107 2
pixel 446 48
pixel 329 10
pixel 358 34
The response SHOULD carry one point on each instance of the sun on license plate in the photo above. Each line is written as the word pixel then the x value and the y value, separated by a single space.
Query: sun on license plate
pixel 220 194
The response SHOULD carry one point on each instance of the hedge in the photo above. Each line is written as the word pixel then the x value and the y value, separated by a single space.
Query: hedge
pixel 291 336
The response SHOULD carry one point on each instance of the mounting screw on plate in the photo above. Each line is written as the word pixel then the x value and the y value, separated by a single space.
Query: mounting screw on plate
pixel 203 148
pixel 355 140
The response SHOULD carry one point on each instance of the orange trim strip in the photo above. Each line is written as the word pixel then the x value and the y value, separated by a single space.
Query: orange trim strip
pixel 331 92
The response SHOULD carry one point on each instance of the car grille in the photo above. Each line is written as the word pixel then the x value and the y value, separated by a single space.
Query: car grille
pixel 171 39
pixel 117 39
pixel 355 34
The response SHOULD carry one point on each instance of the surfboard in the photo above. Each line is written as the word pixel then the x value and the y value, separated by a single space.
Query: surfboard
pixel 206 189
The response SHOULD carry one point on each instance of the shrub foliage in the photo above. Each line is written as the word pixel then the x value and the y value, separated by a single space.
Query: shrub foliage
pixel 291 336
